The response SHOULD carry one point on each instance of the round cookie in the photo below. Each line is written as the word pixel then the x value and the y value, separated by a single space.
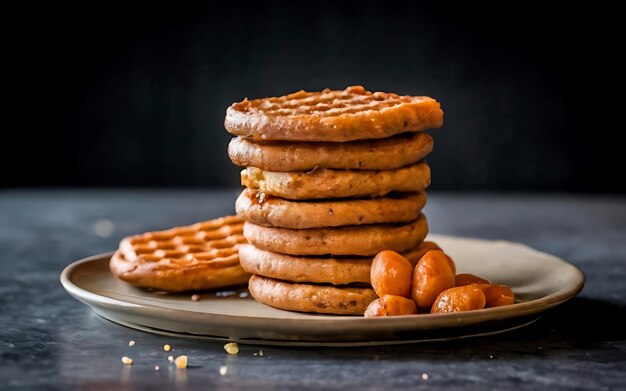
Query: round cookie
pixel 325 184
pixel 320 270
pixel 383 154
pixel 260 209
pixel 195 257
pixel 311 298
pixel 219 273
pixel 351 114
pixel 366 240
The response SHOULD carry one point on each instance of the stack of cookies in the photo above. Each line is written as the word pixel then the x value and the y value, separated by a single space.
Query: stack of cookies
pixel 332 178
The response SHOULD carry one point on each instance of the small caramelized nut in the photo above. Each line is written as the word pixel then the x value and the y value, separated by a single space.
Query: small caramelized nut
pixel 391 274
pixel 468 279
pixel 431 276
pixel 462 298
pixel 498 295
pixel 181 362
pixel 427 246
pixel 231 348
pixel 390 305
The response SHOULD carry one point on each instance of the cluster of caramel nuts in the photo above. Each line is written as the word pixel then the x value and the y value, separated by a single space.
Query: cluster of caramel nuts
pixel 432 286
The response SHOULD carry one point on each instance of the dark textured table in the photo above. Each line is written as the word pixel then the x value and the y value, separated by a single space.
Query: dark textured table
pixel 48 339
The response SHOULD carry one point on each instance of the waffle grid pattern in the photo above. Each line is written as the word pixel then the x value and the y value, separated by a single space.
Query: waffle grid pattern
pixel 201 243
pixel 327 103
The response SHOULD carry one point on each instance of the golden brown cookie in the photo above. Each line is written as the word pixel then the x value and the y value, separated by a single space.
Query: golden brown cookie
pixel 351 114
pixel 324 184
pixel 272 211
pixel 384 154
pixel 311 298
pixel 195 257
pixel 322 269
pixel 353 240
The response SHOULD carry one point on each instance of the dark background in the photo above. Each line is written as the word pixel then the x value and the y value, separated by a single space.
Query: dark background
pixel 134 94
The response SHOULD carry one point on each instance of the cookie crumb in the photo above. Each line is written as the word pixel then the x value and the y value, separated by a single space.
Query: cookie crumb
pixel 127 360
pixel 181 362
pixel 231 348
pixel 170 359
pixel 425 376
pixel 223 370
pixel 195 297
pixel 167 347
pixel 156 367
pixel 131 343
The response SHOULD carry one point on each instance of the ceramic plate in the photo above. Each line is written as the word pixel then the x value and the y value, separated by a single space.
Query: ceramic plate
pixel 540 281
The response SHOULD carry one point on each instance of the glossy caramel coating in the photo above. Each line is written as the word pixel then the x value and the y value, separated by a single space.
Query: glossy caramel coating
pixel 390 305
pixel 468 279
pixel 431 276
pixel 391 274
pixel 458 299
pixel 498 295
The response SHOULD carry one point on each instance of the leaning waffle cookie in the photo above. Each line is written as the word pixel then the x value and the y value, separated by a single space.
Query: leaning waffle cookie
pixel 311 298
pixel 351 114
pixel 262 209
pixel 324 184
pixel 384 154
pixel 320 270
pixel 196 257
pixel 352 240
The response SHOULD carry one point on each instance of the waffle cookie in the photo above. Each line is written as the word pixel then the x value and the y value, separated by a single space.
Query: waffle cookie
pixel 351 114
pixel 385 154
pixel 271 211
pixel 320 269
pixel 196 257
pixel 324 184
pixel 366 240
pixel 310 297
